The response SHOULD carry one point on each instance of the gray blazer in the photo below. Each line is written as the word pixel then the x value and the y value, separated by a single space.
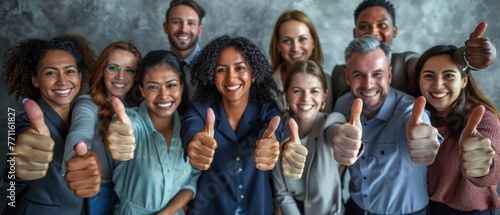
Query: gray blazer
pixel 321 172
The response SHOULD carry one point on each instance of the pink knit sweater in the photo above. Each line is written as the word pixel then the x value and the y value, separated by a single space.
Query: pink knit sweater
pixel 446 182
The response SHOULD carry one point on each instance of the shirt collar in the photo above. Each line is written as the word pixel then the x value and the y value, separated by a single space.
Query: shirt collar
pixel 191 56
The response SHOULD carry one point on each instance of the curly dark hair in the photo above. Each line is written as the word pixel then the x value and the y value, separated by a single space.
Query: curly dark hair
pixel 20 63
pixel 375 3
pixel 203 68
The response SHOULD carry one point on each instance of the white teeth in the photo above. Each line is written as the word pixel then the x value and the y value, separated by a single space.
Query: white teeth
pixel 165 105
pixel 439 95
pixel 233 87
pixel 183 37
pixel 369 93
pixel 119 85
pixel 306 107
pixel 62 91
pixel 297 55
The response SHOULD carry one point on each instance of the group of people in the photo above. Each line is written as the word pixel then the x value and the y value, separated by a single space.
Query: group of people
pixel 224 130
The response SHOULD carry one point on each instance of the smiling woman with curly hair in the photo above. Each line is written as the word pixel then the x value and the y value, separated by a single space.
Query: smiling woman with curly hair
pixel 203 69
pixel 231 129
pixel 50 73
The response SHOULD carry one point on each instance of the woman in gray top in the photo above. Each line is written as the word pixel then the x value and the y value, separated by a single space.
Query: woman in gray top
pixel 113 75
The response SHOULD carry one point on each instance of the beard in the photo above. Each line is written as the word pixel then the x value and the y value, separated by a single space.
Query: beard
pixel 176 45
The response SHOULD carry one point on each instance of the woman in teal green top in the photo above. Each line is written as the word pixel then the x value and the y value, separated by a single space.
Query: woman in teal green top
pixel 157 179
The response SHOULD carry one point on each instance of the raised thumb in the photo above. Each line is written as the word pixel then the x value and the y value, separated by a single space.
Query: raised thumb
pixel 35 115
pixel 356 109
pixel 416 114
pixel 209 125
pixel 472 122
pixel 273 125
pixel 479 31
pixel 294 131
pixel 119 109
pixel 81 148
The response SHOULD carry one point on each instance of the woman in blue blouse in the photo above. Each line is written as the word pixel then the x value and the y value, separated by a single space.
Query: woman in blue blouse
pixel 232 129
pixel 158 180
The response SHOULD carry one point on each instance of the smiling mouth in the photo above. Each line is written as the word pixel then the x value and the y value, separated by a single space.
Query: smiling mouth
pixel 297 56
pixel 183 38
pixel 439 95
pixel 370 93
pixel 306 107
pixel 235 87
pixel 119 85
pixel 165 105
pixel 62 92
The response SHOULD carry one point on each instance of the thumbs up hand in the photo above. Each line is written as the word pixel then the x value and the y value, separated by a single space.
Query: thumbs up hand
pixel 120 135
pixel 201 150
pixel 267 149
pixel 476 153
pixel 479 52
pixel 294 154
pixel 423 144
pixel 34 147
pixel 347 141
pixel 83 172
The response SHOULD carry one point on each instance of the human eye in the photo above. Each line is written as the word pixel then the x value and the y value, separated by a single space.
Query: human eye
pixel 428 75
pixel 130 71
pixel 172 85
pixel 286 41
pixel 152 87
pixel 220 69
pixel 296 91
pixel 50 73
pixel 302 39
pixel 358 75
pixel 240 68
pixel 378 75
pixel 71 71
pixel 113 68
pixel 363 27
pixel 382 25
pixel 449 75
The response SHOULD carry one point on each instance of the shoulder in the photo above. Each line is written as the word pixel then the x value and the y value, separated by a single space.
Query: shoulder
pixel 344 103
pixel 334 118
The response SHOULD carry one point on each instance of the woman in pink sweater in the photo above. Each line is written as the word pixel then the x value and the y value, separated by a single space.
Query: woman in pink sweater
pixel 464 177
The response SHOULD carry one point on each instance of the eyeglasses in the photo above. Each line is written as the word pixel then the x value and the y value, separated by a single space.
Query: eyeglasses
pixel 114 69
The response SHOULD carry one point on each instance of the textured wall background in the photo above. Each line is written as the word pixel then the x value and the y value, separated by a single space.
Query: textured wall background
pixel 421 24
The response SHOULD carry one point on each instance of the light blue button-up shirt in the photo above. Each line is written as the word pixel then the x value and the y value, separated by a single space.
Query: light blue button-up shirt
pixel 384 180
pixel 156 174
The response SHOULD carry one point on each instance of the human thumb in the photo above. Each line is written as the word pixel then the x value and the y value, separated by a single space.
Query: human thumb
pixel 273 125
pixel 35 114
pixel 356 108
pixel 209 125
pixel 119 109
pixel 81 148
pixel 472 122
pixel 416 114
pixel 479 31
pixel 294 131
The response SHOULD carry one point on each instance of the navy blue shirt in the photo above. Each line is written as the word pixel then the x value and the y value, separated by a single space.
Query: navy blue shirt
pixel 232 180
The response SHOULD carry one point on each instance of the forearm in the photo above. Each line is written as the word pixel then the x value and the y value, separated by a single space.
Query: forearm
pixel 178 202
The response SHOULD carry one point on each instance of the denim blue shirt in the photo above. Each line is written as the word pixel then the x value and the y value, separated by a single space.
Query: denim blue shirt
pixel 384 180
pixel 232 181
pixel 156 174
